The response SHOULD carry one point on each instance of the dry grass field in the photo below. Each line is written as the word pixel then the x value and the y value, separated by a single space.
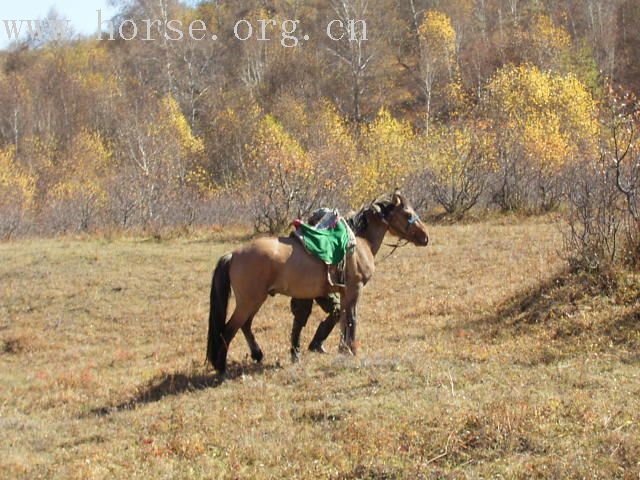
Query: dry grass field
pixel 479 358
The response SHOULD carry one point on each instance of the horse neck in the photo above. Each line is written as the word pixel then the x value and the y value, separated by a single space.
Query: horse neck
pixel 374 235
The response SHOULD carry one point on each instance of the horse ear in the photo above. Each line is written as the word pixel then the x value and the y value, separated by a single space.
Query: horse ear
pixel 396 198
pixel 376 208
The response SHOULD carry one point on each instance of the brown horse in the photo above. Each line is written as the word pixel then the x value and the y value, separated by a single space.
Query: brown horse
pixel 268 266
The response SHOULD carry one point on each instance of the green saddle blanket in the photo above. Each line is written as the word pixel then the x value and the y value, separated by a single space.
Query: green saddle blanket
pixel 329 245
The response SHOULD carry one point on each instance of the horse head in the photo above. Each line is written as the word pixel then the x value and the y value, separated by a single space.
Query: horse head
pixel 400 217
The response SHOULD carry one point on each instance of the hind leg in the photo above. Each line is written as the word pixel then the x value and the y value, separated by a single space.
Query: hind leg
pixel 243 312
pixel 256 351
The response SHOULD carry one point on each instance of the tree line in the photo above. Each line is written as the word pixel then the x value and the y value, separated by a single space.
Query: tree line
pixel 516 105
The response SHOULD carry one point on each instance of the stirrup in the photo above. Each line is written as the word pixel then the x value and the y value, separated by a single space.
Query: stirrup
pixel 331 284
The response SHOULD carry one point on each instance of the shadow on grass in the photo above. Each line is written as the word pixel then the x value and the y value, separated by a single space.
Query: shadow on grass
pixel 168 384
pixel 624 330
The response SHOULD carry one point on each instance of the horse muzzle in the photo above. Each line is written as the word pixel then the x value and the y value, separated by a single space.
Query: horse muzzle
pixel 422 242
pixel 420 238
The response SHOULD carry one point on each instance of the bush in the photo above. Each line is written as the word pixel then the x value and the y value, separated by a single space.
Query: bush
pixel 17 189
pixel 604 221
pixel 458 166
pixel 540 121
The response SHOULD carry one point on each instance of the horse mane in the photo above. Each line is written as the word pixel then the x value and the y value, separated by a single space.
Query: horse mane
pixel 358 221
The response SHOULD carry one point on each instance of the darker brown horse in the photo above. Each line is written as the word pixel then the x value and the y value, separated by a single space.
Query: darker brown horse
pixel 267 266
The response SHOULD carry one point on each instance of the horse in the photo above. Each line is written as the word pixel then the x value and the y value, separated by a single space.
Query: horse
pixel 269 266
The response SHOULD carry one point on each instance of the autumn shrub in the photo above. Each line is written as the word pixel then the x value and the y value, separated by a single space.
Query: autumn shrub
pixel 386 160
pixel 228 133
pixel 604 194
pixel 458 163
pixel 298 160
pixel 541 122
pixel 280 178
pixel 158 167
pixel 17 191
pixel 78 197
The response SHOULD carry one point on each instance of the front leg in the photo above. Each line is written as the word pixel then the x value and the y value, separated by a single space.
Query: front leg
pixel 348 319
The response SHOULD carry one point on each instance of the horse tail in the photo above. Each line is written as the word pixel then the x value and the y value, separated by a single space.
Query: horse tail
pixel 220 290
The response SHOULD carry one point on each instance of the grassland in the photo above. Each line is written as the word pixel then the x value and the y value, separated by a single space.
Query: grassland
pixel 479 358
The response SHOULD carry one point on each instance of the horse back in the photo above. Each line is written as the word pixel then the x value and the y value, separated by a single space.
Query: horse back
pixel 279 265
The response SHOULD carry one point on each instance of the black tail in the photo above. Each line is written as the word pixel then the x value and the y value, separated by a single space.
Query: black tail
pixel 220 289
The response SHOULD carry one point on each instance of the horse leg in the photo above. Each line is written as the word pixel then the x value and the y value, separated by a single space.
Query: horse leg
pixel 301 309
pixel 331 305
pixel 242 313
pixel 348 319
pixel 256 351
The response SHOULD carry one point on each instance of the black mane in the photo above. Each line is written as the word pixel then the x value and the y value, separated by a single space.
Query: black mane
pixel 358 221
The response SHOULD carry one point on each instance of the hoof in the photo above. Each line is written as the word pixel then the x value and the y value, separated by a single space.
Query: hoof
pixel 295 355
pixel 348 349
pixel 257 356
pixel 221 362
pixel 318 348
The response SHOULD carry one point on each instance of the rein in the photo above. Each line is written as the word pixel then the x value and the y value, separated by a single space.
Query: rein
pixel 394 247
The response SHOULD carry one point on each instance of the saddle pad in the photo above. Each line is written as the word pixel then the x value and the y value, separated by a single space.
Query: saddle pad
pixel 329 245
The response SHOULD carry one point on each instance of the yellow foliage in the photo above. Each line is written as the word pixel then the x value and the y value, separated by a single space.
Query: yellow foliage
pixel 438 35
pixel 179 154
pixel 332 147
pixel 544 142
pixel 281 176
pixel 553 117
pixel 294 118
pixel 191 144
pixel 330 130
pixel 86 63
pixel 547 39
pixel 84 169
pixel 388 158
pixel 449 151
pixel 278 151
pixel 457 99
pixel 577 110
pixel 16 185
pixel 39 152
pixel 437 40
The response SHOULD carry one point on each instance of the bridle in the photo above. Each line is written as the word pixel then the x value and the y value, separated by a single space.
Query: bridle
pixel 413 219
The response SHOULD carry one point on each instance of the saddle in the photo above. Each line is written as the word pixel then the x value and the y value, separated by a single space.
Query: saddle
pixel 328 237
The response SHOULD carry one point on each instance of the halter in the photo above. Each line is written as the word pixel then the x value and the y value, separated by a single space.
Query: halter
pixel 413 219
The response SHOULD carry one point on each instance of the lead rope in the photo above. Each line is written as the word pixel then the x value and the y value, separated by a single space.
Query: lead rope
pixel 394 248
